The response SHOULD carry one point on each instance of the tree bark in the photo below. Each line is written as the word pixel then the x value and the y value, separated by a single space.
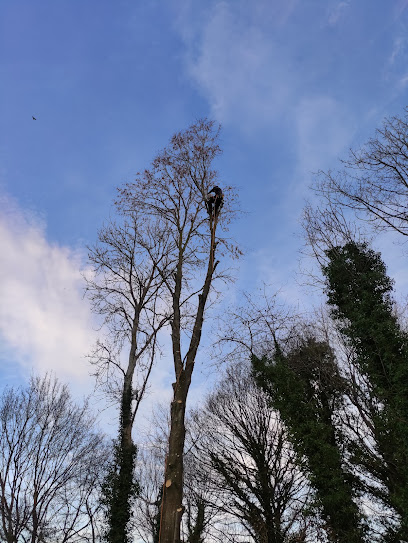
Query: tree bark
pixel 172 507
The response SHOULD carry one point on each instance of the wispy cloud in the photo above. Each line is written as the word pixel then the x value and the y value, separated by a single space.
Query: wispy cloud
pixel 336 12
pixel 236 64
pixel 44 319
pixel 399 7
pixel 324 129
pixel 256 77
pixel 394 71
pixel 398 49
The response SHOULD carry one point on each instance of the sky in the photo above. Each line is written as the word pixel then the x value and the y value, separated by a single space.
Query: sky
pixel 294 84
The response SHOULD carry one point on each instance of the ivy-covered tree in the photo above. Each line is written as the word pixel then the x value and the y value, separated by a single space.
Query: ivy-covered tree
pixel 126 289
pixel 360 294
pixel 303 383
pixel 120 487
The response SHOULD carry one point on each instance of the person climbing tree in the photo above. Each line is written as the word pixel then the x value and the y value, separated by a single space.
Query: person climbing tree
pixel 215 202
pixel 172 194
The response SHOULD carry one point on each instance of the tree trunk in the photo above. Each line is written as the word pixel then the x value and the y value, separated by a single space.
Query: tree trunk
pixel 123 484
pixel 172 508
pixel 34 518
pixel 173 486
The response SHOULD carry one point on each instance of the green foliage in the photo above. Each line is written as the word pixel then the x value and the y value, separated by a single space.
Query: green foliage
pixel 120 488
pixel 305 387
pixel 359 292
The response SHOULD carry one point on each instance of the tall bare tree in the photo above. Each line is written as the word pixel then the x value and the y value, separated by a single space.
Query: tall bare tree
pixel 174 192
pixel 130 267
pixel 52 463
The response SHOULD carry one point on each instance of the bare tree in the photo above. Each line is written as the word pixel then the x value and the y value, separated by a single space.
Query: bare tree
pixel 174 191
pixel 130 267
pixel 261 328
pixel 150 468
pixel 252 327
pixel 242 448
pixel 200 497
pixel 52 463
pixel 366 194
pixel 326 227
pixel 146 519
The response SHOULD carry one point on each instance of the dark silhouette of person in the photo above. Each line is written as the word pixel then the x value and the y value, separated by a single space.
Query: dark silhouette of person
pixel 214 202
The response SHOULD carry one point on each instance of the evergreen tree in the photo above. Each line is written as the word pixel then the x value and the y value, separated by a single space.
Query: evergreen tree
pixel 304 385
pixel 359 292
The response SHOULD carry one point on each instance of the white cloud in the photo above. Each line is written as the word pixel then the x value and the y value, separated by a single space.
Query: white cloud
pixel 324 129
pixel 236 64
pixel 44 321
pixel 253 79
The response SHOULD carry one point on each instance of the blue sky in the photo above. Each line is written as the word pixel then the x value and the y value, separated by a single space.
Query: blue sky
pixel 294 84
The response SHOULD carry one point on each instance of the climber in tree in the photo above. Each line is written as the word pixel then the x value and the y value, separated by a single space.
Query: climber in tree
pixel 214 202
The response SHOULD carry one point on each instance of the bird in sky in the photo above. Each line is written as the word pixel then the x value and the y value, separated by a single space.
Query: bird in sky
pixel 34 119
